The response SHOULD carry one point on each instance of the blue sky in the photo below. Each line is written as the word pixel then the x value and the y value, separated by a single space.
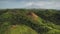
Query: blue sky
pixel 46 4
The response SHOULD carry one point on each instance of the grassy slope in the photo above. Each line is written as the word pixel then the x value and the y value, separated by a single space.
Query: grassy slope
pixel 20 29
pixel 52 31
pixel 23 28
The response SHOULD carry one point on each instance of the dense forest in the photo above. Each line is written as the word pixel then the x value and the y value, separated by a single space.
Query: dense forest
pixel 29 21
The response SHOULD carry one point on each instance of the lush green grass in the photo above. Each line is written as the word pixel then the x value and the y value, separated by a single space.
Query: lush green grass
pixel 20 29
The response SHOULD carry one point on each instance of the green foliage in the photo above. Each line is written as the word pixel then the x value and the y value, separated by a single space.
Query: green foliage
pixel 4 27
pixel 21 29
pixel 24 22
pixel 50 15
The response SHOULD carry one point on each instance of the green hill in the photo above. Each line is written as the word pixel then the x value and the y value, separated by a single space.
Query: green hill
pixel 29 21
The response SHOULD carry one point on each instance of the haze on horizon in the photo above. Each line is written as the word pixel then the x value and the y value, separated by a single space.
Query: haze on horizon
pixel 45 4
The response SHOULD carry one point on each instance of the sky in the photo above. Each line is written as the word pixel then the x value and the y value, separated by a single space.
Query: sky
pixel 45 4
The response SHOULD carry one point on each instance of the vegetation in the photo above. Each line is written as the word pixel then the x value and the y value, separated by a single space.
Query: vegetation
pixel 29 21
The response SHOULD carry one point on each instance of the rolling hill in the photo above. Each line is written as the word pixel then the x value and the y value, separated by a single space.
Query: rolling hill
pixel 29 21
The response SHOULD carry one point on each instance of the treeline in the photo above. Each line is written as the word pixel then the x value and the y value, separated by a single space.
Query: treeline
pixel 46 14
pixel 50 15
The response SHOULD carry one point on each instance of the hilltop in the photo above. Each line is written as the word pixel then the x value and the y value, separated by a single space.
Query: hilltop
pixel 29 21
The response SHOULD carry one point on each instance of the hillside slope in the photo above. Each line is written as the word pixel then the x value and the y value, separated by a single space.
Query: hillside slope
pixel 26 22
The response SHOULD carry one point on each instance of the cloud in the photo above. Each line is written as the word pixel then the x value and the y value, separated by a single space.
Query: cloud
pixel 29 4
pixel 47 4
pixel 42 4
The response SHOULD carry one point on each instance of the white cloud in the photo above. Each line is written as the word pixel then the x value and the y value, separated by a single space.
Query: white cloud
pixel 29 4
pixel 49 4
pixel 45 4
